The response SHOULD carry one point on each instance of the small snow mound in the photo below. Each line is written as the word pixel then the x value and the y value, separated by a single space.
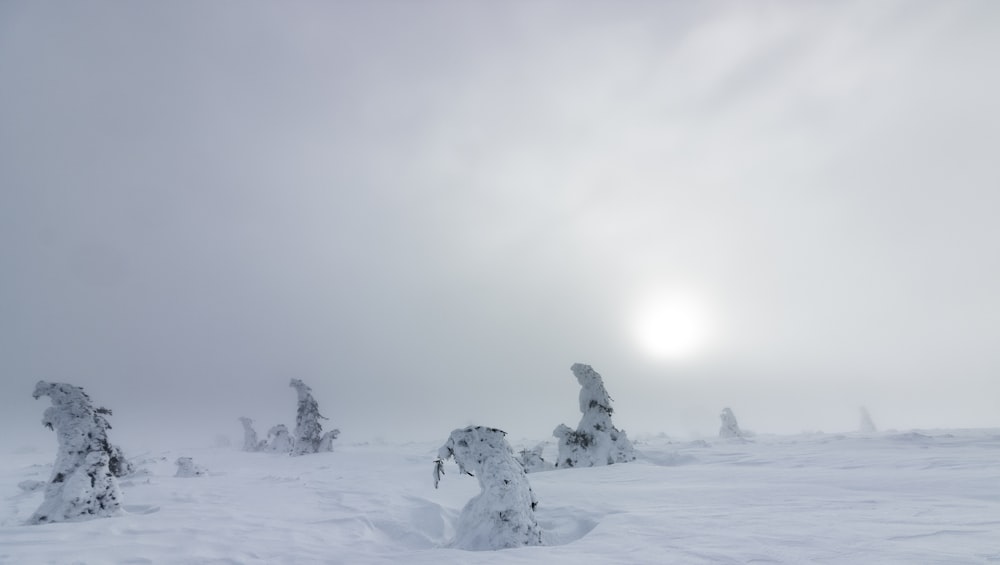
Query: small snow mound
pixel 31 486
pixel 565 525
pixel 187 468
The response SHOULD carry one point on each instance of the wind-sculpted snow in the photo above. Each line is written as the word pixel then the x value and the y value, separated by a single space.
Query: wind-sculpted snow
pixel 82 484
pixel 503 515
pixel 596 441
pixel 843 499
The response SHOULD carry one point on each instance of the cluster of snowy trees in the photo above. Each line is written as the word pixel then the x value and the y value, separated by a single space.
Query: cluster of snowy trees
pixel 83 483
pixel 84 478
pixel 503 514
pixel 309 436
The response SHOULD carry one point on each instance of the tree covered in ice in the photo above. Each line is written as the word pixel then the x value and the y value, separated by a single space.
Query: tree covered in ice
pixel 309 436
pixel 503 514
pixel 595 441
pixel 250 441
pixel 83 485
pixel 867 425
pixel 278 440
pixel 117 463
pixel 729 428
pixel 531 459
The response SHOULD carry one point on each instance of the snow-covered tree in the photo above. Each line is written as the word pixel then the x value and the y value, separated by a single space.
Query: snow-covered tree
pixel 503 514
pixel 187 468
pixel 531 459
pixel 117 463
pixel 309 436
pixel 729 428
pixel 867 425
pixel 596 441
pixel 278 440
pixel 82 484
pixel 250 441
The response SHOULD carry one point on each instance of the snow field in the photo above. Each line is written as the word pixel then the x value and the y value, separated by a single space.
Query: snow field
pixel 928 497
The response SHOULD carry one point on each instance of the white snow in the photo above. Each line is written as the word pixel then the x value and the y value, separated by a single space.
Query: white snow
pixel 914 497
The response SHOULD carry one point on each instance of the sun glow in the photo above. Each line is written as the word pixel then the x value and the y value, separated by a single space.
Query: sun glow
pixel 672 325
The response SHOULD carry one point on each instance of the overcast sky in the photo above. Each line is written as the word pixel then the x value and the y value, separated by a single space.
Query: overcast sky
pixel 429 210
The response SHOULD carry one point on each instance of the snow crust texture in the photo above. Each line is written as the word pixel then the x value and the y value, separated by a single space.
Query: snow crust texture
pixel 596 441
pixel 82 484
pixel 503 514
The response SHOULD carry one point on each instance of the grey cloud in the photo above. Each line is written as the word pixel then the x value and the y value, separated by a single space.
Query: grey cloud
pixel 428 212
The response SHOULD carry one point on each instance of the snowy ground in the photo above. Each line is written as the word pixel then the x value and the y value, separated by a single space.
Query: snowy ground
pixel 927 497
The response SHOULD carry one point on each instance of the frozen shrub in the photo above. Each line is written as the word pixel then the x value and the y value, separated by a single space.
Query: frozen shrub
pixel 867 425
pixel 503 514
pixel 250 441
pixel 309 437
pixel 117 463
pixel 82 484
pixel 278 440
pixel 729 428
pixel 187 468
pixel 326 442
pixel 531 459
pixel 596 441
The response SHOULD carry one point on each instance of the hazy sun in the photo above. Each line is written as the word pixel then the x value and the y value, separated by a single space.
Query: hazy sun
pixel 672 325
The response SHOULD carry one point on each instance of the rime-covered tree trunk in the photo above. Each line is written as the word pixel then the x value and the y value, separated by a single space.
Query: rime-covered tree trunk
pixel 82 484
pixel 250 441
pixel 596 441
pixel 729 427
pixel 503 514
pixel 309 437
